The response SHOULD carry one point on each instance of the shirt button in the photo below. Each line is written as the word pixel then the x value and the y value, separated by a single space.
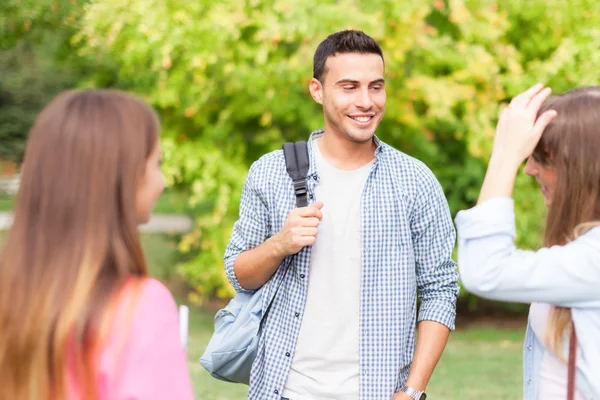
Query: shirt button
pixel 529 382
pixel 287 354
pixel 310 196
pixel 315 177
pixel 529 347
pixel 302 276
pixel 276 391
pixel 296 315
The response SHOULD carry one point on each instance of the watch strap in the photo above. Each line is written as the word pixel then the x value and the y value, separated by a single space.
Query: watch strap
pixel 413 393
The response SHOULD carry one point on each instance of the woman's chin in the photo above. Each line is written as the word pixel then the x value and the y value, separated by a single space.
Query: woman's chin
pixel 143 219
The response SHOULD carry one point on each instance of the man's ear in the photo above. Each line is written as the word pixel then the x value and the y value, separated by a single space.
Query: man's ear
pixel 316 90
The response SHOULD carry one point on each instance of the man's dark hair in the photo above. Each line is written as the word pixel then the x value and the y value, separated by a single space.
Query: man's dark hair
pixel 348 41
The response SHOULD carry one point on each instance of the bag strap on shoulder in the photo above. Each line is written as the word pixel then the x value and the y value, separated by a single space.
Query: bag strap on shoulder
pixel 296 162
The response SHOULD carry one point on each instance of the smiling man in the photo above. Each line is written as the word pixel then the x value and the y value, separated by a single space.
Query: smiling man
pixel 377 233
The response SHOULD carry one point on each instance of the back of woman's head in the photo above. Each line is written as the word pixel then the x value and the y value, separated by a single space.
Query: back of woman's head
pixel 570 145
pixel 74 240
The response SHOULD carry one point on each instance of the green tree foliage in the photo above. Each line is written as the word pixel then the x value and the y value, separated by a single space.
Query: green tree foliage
pixel 30 78
pixel 36 19
pixel 37 62
pixel 230 79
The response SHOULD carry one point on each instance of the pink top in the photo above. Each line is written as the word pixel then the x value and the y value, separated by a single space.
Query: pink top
pixel 143 358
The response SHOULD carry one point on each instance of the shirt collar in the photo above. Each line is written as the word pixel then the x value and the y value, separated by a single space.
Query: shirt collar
pixel 312 168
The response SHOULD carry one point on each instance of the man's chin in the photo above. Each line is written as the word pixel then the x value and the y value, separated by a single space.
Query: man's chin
pixel 360 137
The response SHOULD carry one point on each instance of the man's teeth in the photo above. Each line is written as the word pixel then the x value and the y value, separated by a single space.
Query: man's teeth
pixel 361 119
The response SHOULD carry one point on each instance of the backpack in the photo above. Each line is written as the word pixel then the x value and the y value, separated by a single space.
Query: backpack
pixel 233 346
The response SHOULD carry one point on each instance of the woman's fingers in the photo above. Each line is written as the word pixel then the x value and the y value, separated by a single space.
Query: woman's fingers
pixel 542 122
pixel 536 101
pixel 518 130
pixel 522 99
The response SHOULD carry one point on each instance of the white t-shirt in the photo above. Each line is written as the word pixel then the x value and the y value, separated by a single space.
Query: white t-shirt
pixel 553 372
pixel 326 361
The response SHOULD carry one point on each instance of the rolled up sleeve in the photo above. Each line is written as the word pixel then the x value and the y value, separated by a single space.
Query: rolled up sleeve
pixel 250 230
pixel 434 238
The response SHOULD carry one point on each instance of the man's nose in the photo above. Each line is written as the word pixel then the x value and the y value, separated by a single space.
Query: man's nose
pixel 364 101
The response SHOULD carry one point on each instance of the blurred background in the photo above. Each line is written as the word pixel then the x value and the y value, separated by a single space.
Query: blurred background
pixel 229 80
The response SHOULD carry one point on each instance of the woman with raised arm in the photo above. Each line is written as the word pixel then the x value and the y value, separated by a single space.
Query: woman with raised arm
pixel 560 138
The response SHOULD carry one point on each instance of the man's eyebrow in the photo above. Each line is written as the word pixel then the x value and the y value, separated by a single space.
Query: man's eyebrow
pixel 341 81
pixel 355 82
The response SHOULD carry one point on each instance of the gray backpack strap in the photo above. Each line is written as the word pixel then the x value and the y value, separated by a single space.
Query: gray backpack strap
pixel 296 162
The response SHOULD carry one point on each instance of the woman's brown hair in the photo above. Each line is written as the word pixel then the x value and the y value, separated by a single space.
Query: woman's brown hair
pixel 74 240
pixel 571 145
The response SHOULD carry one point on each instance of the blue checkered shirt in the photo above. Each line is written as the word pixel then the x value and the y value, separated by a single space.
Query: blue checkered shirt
pixel 407 242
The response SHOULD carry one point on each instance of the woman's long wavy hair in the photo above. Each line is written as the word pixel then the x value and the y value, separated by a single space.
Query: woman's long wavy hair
pixel 74 241
pixel 570 145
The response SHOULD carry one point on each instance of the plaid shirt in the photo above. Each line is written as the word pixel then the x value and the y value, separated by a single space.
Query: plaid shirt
pixel 407 242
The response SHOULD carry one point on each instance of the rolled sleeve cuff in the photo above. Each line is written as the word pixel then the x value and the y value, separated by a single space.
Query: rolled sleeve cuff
pixel 491 217
pixel 438 311
pixel 232 278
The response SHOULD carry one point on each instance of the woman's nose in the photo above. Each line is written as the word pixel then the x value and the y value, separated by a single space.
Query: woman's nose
pixel 531 167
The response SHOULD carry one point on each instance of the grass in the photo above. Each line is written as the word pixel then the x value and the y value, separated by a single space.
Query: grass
pixel 477 363
pixel 6 203
pixel 480 364
pixel 161 252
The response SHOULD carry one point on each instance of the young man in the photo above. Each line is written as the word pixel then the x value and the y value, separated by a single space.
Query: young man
pixel 377 230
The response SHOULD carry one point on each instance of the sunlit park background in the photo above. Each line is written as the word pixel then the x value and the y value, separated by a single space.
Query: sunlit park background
pixel 229 80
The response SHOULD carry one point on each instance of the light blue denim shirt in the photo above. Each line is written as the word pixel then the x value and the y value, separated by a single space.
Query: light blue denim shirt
pixel 491 266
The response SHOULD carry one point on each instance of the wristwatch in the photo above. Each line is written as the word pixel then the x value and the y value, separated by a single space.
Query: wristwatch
pixel 414 393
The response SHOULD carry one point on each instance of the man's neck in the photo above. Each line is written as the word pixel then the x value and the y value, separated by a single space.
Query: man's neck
pixel 345 154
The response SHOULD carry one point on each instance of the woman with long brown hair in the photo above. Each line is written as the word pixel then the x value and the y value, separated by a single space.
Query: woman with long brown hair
pixel 560 136
pixel 79 316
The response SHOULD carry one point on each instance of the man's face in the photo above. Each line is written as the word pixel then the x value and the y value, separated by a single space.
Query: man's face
pixel 352 95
